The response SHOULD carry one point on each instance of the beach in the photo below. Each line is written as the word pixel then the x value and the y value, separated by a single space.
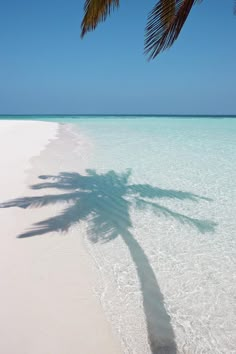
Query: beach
pixel 117 235
pixel 47 301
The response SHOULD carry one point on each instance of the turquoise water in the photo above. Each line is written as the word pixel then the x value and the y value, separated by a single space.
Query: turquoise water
pixel 159 199
pixel 169 268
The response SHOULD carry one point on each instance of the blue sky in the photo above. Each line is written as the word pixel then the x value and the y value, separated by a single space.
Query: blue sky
pixel 46 68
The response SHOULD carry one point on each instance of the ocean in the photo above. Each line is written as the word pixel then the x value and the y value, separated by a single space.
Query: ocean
pixel 158 195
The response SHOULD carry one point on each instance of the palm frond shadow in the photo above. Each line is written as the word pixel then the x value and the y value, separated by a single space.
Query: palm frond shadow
pixel 104 200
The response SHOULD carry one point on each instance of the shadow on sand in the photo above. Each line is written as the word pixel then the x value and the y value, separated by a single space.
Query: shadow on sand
pixel 104 201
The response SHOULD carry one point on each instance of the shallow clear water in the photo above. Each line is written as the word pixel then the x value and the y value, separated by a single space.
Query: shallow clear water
pixel 169 267
pixel 159 200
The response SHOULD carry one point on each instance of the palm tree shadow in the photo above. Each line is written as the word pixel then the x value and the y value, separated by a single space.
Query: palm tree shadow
pixel 104 200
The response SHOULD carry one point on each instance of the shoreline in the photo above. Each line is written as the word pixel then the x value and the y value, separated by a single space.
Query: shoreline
pixel 47 301
pixel 90 261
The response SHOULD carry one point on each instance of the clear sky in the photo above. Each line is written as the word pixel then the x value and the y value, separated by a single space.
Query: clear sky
pixel 46 68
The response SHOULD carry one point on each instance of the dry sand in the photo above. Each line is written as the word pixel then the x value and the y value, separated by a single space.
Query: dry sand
pixel 47 301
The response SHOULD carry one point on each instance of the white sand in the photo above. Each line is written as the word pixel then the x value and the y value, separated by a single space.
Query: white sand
pixel 47 304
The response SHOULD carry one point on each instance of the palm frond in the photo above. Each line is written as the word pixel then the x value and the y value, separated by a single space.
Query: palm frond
pixel 164 24
pixel 168 11
pixel 96 11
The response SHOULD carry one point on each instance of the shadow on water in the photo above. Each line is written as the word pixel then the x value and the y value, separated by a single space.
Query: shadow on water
pixel 104 201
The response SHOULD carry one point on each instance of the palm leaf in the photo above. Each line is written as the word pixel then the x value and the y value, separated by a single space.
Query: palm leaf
pixel 96 11
pixel 167 11
pixel 165 22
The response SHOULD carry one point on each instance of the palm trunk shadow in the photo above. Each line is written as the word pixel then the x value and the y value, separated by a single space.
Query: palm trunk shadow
pixel 160 332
